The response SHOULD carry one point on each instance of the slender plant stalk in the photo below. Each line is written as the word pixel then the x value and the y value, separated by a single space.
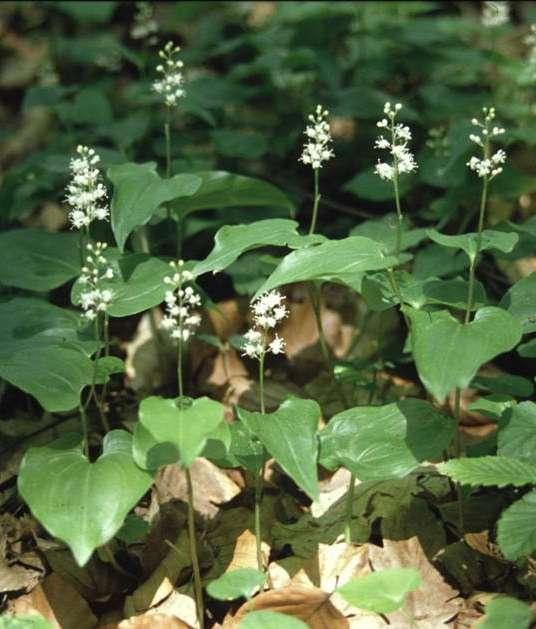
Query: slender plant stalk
pixel 198 586
pixel 349 503
pixel 179 367
pixel 259 479
pixel 167 133
pixel 85 430
pixel 459 449
pixel 316 200
pixel 399 216
pixel 106 335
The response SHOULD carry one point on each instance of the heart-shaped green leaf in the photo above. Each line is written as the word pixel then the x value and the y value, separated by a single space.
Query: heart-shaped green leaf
pixel 520 303
pixel 378 292
pixel 517 439
pixel 490 239
pixel 44 260
pixel 290 436
pixel 516 533
pixel 383 230
pixel 505 611
pixel 174 430
pixel 220 189
pixel 236 584
pixel 43 353
pixel 139 191
pixel 332 261
pixel 448 353
pixel 266 619
pixel 232 241
pixel 137 285
pixel 82 503
pixel 382 592
pixel 383 442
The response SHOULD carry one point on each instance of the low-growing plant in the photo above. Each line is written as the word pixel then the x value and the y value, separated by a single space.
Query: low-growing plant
pixel 421 271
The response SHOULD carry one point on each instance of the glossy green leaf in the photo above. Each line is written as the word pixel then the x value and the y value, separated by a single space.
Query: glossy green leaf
pixel 505 383
pixel 266 619
pixel 38 260
pixel 448 353
pixel 490 239
pixel 137 285
pixel 43 353
pixel 241 583
pixel 378 292
pixel 489 471
pixel 520 302
pixel 108 366
pixel 220 189
pixel 492 406
pixel 503 612
pixel 24 621
pixel 516 532
pixel 437 261
pixel 528 349
pixel 383 230
pixel 296 420
pixel 332 261
pixel 84 504
pixel 139 191
pixel 383 442
pixel 517 438
pixel 231 241
pixel 174 430
pixel 382 592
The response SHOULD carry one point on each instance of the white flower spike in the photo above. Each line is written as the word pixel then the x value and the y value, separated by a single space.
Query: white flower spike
pixel 316 149
pixel 95 298
pixel 145 26
pixel 489 165
pixel 268 310
pixel 86 194
pixel 397 145
pixel 170 86
pixel 179 319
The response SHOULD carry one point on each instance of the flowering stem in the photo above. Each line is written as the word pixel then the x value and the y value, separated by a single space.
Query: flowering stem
pixel 316 200
pixel 198 586
pixel 179 367
pixel 85 432
pixel 167 133
pixel 260 476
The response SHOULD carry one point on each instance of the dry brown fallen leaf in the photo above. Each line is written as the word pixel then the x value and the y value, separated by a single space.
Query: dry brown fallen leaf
pixel 309 604
pixel 58 602
pixel 212 486
pixel 435 603
pixel 150 621
pixel 162 581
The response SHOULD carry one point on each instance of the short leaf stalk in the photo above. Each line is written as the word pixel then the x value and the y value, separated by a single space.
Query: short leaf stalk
pixel 486 167
pixel 316 150
pixel 181 323
pixel 268 310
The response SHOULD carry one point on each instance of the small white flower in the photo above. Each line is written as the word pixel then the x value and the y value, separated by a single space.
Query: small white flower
pixel 486 166
pixel 145 25
pixel 179 320
pixel 317 150
pixel 86 194
pixel 95 297
pixel 170 86
pixel 403 160
pixel 495 13
pixel 267 311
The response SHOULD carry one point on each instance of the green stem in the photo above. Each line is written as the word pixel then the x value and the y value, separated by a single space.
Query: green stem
pixel 259 479
pixel 349 502
pixel 314 294
pixel 85 432
pixel 106 334
pixel 167 133
pixel 198 586
pixel 316 200
pixel 179 368
pixel 399 216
